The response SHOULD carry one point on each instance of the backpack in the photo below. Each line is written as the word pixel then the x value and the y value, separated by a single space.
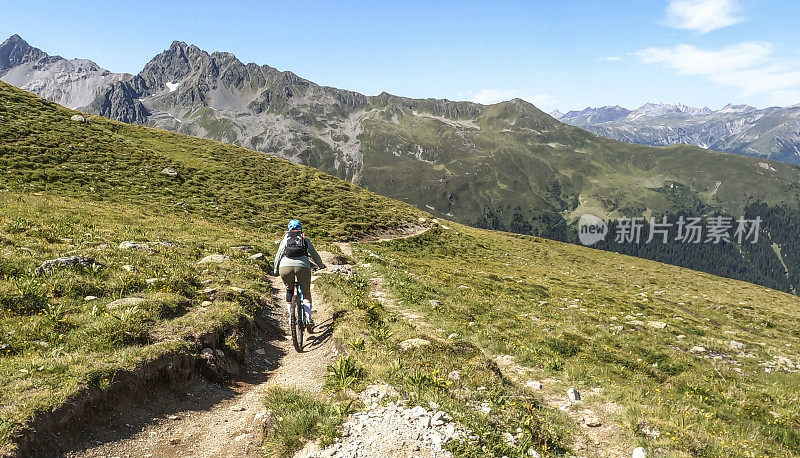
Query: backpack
pixel 296 245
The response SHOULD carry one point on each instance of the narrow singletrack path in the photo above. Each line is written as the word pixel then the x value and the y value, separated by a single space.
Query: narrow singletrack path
pixel 206 419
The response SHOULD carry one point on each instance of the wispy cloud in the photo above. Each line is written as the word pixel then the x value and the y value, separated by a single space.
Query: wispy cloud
pixel 703 16
pixel 489 96
pixel 612 59
pixel 748 66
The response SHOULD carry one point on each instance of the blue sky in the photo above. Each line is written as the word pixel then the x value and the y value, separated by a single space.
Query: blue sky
pixel 564 54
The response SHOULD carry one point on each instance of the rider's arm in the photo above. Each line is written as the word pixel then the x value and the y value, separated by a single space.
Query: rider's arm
pixel 279 255
pixel 314 255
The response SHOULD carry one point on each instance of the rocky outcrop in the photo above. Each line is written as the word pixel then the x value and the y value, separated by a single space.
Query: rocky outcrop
pixel 120 101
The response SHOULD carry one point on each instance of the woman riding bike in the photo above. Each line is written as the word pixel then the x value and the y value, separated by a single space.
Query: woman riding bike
pixel 294 267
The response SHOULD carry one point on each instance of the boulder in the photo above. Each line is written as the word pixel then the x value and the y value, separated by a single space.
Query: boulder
pixel 126 302
pixel 639 452
pixel 736 345
pixel 214 259
pixel 78 118
pixel 68 261
pixel 697 349
pixel 130 245
pixel 657 324
pixel 258 257
pixel 170 172
pixel 574 395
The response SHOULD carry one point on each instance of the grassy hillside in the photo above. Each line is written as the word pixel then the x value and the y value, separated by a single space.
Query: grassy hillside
pixel 43 150
pixel 508 309
pixel 515 168
pixel 624 331
pixel 70 188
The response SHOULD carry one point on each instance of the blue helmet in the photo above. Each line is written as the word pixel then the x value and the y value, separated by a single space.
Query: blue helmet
pixel 295 225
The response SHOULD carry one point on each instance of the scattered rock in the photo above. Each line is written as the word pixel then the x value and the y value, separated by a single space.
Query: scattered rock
pixel 509 439
pixel 574 395
pixel 639 452
pixel 237 408
pixel 90 298
pixel 236 289
pixel 48 266
pixel 126 302
pixel 214 259
pixel 697 349
pixel 173 417
pixel 78 118
pixel 454 375
pixel 131 245
pixel 128 268
pixel 736 345
pixel 170 172
pixel 434 303
pixel 245 248
pixel 258 257
pixel 452 336
pixel 152 281
pixel 680 336
pixel 206 304
pixel 657 324
pixel 616 328
pixel 591 421
pixel 342 269
pixel 533 453
pixel 413 343
pixel 534 384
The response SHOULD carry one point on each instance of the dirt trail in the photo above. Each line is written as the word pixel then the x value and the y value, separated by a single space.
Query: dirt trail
pixel 209 420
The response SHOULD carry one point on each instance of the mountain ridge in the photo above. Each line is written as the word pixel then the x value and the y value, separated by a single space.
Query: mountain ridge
pixel 771 133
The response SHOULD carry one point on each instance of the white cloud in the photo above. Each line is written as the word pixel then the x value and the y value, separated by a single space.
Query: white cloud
pixel 747 66
pixel 612 59
pixel 490 96
pixel 690 60
pixel 702 16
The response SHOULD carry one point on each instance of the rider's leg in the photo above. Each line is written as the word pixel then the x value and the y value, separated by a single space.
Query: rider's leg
pixel 288 276
pixel 304 279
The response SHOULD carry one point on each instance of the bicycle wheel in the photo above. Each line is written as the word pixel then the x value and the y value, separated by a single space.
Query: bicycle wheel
pixel 297 323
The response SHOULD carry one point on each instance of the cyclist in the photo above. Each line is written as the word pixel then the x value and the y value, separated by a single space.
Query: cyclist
pixel 292 264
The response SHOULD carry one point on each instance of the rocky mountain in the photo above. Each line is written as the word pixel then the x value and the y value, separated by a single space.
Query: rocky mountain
pixel 505 166
pixel 72 83
pixel 772 133
pixel 590 116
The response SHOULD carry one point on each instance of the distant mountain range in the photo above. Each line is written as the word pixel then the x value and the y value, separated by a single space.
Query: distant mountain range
pixel 772 133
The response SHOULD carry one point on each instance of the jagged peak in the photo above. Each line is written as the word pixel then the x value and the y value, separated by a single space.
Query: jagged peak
pixel 15 51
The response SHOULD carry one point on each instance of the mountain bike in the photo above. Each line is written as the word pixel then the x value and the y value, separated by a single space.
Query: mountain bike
pixel 297 319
